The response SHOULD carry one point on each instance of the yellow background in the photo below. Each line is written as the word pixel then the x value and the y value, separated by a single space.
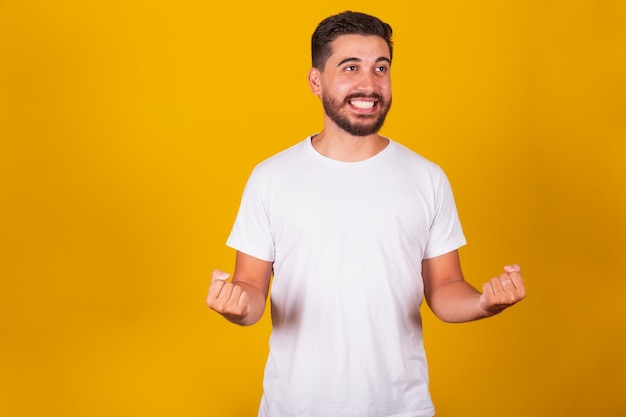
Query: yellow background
pixel 128 129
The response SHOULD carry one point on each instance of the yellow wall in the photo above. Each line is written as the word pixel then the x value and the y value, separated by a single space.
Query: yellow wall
pixel 128 129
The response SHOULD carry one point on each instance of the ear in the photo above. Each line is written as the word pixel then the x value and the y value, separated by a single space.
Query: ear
pixel 314 81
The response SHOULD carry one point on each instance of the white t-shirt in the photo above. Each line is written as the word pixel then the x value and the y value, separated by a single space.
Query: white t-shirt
pixel 347 240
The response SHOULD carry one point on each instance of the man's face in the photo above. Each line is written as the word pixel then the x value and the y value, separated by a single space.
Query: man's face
pixel 355 86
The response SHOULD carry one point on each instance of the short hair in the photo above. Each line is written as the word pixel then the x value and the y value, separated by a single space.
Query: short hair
pixel 345 23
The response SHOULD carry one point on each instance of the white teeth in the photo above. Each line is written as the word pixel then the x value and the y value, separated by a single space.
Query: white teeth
pixel 363 104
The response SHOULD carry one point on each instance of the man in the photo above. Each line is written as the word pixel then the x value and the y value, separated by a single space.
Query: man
pixel 356 230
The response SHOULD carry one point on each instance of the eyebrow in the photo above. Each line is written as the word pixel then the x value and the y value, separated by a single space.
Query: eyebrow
pixel 355 59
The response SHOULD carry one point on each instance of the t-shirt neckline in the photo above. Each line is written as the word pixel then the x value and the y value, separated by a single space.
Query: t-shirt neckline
pixel 372 159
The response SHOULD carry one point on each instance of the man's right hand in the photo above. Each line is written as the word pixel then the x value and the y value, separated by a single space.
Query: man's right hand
pixel 228 299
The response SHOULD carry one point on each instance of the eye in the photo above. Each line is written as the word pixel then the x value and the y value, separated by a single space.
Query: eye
pixel 382 68
pixel 351 68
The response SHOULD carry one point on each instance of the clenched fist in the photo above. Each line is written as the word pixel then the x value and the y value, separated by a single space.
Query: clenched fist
pixel 503 291
pixel 228 299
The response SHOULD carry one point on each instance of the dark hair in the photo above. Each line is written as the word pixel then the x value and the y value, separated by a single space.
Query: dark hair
pixel 345 23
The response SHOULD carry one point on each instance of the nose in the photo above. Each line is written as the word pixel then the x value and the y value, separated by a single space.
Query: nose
pixel 367 82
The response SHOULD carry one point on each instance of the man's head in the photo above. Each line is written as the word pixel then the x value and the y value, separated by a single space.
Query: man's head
pixel 351 71
pixel 346 23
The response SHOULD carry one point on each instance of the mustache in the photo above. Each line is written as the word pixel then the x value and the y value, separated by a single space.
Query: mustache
pixel 352 96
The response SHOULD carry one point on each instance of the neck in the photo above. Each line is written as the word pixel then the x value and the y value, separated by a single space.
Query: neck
pixel 344 147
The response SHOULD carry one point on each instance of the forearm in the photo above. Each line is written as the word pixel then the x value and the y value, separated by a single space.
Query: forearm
pixel 456 302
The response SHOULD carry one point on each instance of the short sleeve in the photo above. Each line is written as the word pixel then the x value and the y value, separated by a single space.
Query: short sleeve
pixel 252 232
pixel 446 233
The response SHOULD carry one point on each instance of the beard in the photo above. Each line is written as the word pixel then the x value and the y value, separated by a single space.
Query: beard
pixel 365 125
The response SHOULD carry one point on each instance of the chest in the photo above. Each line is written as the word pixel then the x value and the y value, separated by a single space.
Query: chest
pixel 361 204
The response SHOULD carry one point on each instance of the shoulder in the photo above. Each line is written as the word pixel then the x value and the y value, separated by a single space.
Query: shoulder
pixel 285 159
pixel 282 167
pixel 413 161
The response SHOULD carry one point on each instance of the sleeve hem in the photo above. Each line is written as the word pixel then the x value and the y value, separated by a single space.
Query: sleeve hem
pixel 250 250
pixel 443 249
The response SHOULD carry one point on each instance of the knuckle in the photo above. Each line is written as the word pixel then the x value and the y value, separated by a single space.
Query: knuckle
pixel 211 300
pixel 232 310
pixel 216 306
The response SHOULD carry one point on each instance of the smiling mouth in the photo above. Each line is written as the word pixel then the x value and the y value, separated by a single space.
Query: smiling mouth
pixel 362 104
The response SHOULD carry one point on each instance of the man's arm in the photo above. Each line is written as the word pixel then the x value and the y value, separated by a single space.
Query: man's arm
pixel 454 300
pixel 241 301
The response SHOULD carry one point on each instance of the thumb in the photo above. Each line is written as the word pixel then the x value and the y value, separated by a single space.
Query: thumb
pixel 513 268
pixel 219 276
